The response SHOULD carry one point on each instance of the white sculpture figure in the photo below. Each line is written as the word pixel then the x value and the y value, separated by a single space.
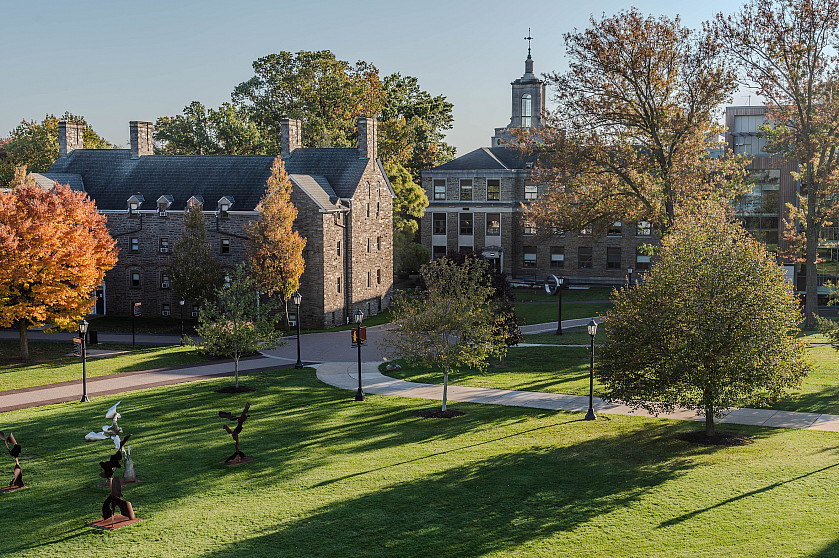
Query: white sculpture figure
pixel 112 432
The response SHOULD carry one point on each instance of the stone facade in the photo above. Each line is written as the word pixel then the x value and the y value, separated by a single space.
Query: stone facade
pixel 345 211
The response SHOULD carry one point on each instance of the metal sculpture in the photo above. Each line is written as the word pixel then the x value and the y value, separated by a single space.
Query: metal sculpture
pixel 14 451
pixel 112 432
pixel 238 456
pixel 111 520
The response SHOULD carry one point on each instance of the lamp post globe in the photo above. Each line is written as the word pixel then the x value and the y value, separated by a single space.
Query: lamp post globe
pixel 592 331
pixel 358 317
pixel 629 272
pixel 83 325
pixel 296 298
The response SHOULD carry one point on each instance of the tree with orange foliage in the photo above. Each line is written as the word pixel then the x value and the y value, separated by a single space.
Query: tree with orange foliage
pixel 55 250
pixel 275 250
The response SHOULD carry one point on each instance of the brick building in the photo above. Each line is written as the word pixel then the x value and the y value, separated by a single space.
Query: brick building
pixel 343 197
pixel 475 205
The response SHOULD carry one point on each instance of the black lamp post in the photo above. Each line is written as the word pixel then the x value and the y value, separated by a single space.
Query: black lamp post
pixel 83 335
pixel 629 271
pixel 560 281
pixel 592 330
pixel 358 316
pixel 297 299
pixel 182 302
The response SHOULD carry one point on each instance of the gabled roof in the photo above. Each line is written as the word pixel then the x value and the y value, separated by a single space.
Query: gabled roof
pixel 110 176
pixel 489 158
pixel 317 188
pixel 74 181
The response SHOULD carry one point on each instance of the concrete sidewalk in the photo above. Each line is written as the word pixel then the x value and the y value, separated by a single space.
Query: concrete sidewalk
pixel 126 381
pixel 345 375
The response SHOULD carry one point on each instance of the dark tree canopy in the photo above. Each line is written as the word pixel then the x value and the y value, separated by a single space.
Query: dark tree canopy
pixel 194 271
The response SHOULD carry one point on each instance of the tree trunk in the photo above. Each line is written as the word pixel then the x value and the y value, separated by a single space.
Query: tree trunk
pixel 24 342
pixel 811 300
pixel 287 321
pixel 236 371
pixel 445 387
pixel 709 420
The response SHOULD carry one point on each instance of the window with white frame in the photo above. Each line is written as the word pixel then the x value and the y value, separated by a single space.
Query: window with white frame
pixel 438 223
pixel 615 229
pixel 557 257
pixel 466 189
pixel 439 188
pixel 526 110
pixel 531 191
pixel 529 228
pixel 493 224
pixel 644 229
pixel 529 253
pixel 135 244
pixel 493 189
pixel 466 224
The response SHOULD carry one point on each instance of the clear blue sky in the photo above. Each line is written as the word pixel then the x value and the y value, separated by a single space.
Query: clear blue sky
pixel 117 61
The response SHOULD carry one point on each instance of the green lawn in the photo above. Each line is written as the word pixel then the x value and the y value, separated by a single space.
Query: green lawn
pixel 574 336
pixel 334 477
pixel 541 313
pixel 568 295
pixel 49 363
pixel 566 370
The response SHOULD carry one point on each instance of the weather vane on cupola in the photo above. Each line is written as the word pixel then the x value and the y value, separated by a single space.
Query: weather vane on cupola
pixel 528 39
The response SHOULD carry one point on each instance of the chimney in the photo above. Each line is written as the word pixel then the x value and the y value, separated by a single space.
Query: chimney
pixel 70 137
pixel 141 137
pixel 367 138
pixel 291 136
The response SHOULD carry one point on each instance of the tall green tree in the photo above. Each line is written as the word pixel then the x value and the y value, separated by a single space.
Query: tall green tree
pixel 202 131
pixel 194 271
pixel 408 207
pixel 35 145
pixel 629 138
pixel 712 326
pixel 275 249
pixel 786 48
pixel 235 323
pixel 450 325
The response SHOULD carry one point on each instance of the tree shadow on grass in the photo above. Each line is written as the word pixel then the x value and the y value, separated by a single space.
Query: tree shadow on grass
pixel 490 505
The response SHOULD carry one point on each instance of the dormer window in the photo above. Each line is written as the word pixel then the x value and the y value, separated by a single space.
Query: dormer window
pixel 134 203
pixel 195 200
pixel 163 204
pixel 224 205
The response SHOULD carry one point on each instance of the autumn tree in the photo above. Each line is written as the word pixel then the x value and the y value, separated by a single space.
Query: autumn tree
pixel 713 325
pixel 786 48
pixel 194 271
pixel 275 249
pixel 629 140
pixel 55 249
pixel 235 324
pixel 450 325
pixel 35 144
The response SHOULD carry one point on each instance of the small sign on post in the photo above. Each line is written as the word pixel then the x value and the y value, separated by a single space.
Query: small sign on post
pixel 359 333
pixel 77 346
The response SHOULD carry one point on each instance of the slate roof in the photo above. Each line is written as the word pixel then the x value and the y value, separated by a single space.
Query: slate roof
pixel 317 187
pixel 111 176
pixel 489 158
pixel 74 181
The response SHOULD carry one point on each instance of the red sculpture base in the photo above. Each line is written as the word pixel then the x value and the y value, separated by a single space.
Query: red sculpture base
pixel 113 523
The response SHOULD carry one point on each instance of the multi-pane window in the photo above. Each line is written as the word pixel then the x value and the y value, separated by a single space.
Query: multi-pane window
pixel 585 231
pixel 438 223
pixel 557 257
pixel 439 188
pixel 644 228
pixel 378 243
pixel 135 278
pixel 493 224
pixel 613 258
pixel 194 311
pixel 642 261
pixel 164 281
pixel 378 276
pixel 466 224
pixel 466 188
pixel 526 110
pixel 339 284
pixel 339 247
pixel 438 252
pixel 615 229
pixel 493 189
pixel 368 210
pixel 585 257
pixel 368 278
pixel 135 244
pixel 224 246
pixel 531 192
pixel 166 310
pixel 368 245
pixel 378 208
pixel 529 228
pixel 529 256
pixel 163 244
pixel 759 208
pixel 227 280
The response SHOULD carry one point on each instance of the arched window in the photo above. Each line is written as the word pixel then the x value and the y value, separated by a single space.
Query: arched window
pixel 526 110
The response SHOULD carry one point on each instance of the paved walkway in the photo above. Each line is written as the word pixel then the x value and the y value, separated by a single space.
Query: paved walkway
pixel 345 375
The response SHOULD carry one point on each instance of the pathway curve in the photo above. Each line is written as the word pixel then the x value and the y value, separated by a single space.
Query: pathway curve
pixel 345 375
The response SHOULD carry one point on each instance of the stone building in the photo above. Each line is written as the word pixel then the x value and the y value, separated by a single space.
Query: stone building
pixel 343 197
pixel 475 205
